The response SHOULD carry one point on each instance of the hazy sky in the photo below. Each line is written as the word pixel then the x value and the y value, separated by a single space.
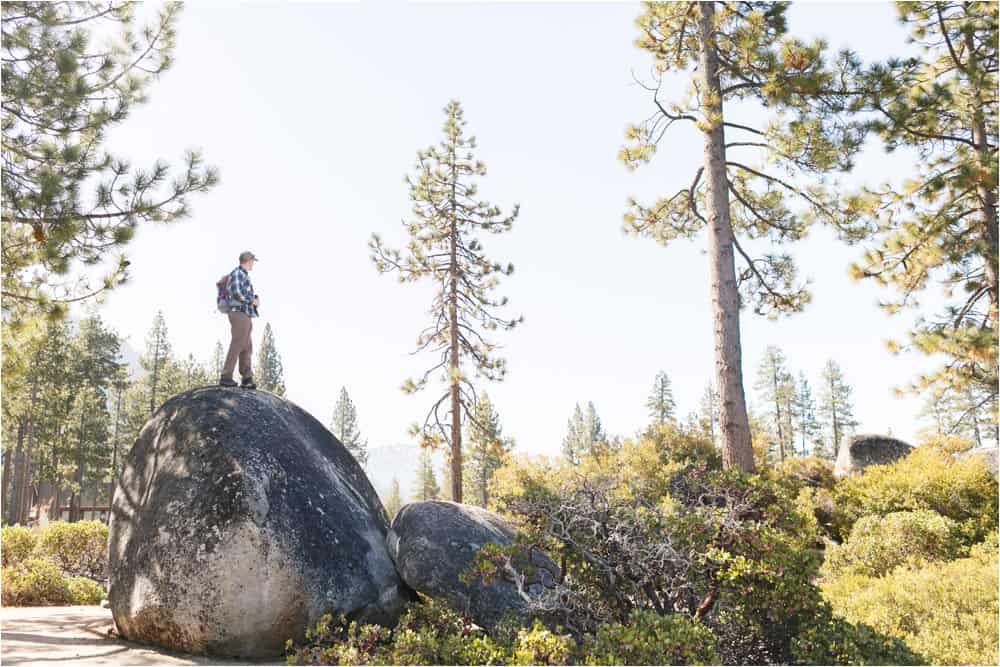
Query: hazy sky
pixel 313 114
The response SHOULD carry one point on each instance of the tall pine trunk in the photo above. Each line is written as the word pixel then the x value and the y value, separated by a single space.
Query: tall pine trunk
pixel 456 399
pixel 733 422
pixel 114 452
pixel 986 194
pixel 777 416
pixel 18 456
pixel 5 481
pixel 23 498
pixel 77 499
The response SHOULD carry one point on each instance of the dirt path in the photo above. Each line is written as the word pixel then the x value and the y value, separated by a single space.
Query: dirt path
pixel 78 636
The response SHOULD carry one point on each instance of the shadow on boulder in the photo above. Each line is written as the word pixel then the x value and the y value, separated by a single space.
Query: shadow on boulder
pixel 433 544
pixel 238 519
pixel 862 451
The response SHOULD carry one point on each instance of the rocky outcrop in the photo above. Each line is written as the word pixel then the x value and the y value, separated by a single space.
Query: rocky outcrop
pixel 433 544
pixel 238 520
pixel 862 451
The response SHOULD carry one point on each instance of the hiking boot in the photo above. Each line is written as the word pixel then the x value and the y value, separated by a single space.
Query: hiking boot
pixel 227 382
pixel 248 383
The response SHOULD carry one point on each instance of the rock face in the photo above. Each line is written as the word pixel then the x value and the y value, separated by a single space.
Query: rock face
pixel 433 543
pixel 238 519
pixel 862 451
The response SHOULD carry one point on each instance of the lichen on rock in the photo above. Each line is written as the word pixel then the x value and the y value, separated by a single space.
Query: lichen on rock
pixel 238 520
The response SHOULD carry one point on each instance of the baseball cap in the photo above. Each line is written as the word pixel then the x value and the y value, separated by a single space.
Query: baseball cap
pixel 246 254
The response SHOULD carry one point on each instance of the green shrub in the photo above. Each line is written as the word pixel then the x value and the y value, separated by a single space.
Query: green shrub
pixel 829 640
pixel 809 471
pixel 336 642
pixel 946 612
pixel 85 591
pixel 35 582
pixel 651 639
pixel 80 548
pixel 431 633
pixel 879 544
pixel 927 479
pixel 428 633
pixel 540 646
pixel 17 544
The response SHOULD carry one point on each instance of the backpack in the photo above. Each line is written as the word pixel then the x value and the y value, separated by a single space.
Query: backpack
pixel 222 294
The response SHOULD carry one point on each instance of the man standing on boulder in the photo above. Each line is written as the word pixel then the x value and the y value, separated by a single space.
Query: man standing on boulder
pixel 243 304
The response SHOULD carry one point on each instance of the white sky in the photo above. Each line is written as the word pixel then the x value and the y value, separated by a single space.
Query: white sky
pixel 313 114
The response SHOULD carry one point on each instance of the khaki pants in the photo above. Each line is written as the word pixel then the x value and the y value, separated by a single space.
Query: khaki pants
pixel 241 345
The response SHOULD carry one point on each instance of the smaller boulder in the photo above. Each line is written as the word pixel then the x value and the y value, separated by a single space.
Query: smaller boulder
pixel 433 544
pixel 862 451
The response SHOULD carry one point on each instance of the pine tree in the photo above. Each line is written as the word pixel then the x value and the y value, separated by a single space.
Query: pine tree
pixel 345 426
pixel 218 359
pixel 577 439
pixel 738 52
pixel 394 502
pixel 967 413
pixel 193 374
pixel 835 405
pixel 661 401
pixel 584 435
pixel 776 391
pixel 425 486
pixel 445 485
pixel 805 411
pixel 67 201
pixel 940 227
pixel 445 248
pixel 156 359
pixel 270 373
pixel 708 414
pixel 487 450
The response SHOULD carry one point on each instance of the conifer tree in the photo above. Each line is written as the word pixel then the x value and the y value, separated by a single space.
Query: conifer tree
pixel 193 374
pixel 708 414
pixel 835 405
pixel 425 486
pixel 738 52
pixel 345 426
pixel 661 401
pixel 394 502
pixel 584 433
pixel 940 228
pixel 445 248
pixel 445 485
pixel 487 450
pixel 776 391
pixel 270 373
pixel 67 201
pixel 968 413
pixel 576 441
pixel 218 359
pixel 156 359
pixel 805 411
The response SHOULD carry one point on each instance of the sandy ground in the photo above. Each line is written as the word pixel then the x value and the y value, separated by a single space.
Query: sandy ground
pixel 78 636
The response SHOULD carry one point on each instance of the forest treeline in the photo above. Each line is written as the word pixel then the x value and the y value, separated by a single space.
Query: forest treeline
pixel 71 208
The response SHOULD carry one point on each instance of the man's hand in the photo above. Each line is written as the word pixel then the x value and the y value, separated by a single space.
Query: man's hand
pixel 256 302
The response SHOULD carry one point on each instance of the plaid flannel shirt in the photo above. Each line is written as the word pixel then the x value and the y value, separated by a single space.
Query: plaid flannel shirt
pixel 241 294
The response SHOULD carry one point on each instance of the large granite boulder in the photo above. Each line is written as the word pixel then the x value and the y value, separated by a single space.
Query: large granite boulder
pixel 862 451
pixel 433 544
pixel 237 521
